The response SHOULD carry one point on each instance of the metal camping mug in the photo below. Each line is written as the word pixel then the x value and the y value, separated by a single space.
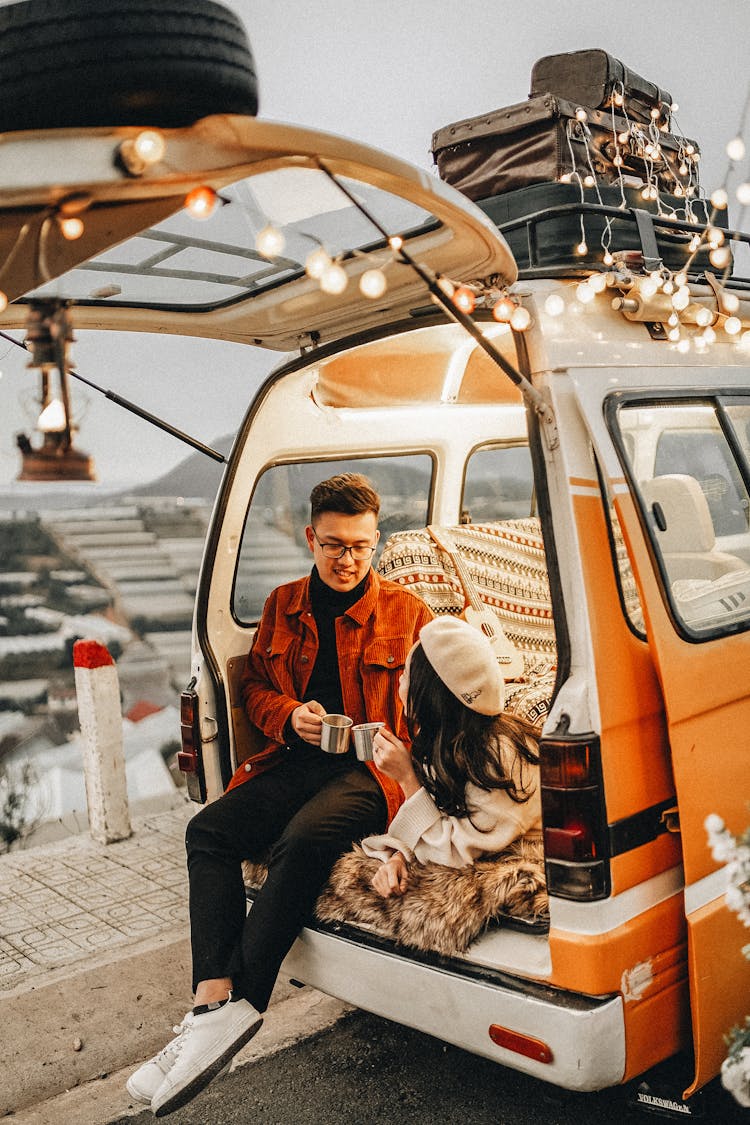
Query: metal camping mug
pixel 334 734
pixel 363 736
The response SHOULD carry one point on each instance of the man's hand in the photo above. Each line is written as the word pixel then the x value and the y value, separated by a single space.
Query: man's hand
pixel 392 758
pixel 306 721
pixel 392 877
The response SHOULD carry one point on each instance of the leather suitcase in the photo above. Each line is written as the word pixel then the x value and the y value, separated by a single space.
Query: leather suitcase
pixel 541 139
pixel 595 78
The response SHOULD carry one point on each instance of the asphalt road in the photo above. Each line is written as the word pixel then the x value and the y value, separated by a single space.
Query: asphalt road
pixel 367 1071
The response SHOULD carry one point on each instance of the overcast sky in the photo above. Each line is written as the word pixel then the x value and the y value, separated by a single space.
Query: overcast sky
pixel 388 72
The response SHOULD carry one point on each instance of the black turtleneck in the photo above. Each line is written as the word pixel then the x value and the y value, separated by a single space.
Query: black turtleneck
pixel 325 682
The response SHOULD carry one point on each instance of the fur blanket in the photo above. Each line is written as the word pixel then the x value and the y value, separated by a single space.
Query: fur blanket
pixel 444 908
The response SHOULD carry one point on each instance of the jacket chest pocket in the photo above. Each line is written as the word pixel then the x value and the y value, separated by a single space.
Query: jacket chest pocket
pixel 385 654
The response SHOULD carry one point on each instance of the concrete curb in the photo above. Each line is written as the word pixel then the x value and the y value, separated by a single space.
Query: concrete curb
pixel 72 1025
pixel 297 1015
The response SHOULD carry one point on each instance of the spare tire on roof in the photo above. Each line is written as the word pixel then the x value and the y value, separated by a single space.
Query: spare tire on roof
pixel 122 62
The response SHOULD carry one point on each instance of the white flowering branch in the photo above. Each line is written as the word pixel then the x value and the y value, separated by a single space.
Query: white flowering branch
pixel 734 851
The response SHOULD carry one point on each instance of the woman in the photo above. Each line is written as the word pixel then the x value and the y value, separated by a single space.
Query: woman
pixel 471 781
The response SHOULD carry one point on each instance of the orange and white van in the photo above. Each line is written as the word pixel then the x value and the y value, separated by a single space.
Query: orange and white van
pixel 625 442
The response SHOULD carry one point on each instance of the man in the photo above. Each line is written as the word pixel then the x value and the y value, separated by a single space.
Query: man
pixel 333 642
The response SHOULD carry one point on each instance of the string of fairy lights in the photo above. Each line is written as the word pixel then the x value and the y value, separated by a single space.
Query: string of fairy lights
pixel 668 164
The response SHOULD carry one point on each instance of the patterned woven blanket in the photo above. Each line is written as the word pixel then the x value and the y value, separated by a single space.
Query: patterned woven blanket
pixel 507 565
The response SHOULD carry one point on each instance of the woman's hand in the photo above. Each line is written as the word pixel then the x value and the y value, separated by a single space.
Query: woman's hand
pixel 392 877
pixel 392 758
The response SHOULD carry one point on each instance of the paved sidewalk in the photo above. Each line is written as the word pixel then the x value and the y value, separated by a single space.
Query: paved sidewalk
pixel 76 899
pixel 94 955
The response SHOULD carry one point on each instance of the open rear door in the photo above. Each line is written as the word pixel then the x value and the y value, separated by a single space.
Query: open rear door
pixel 677 467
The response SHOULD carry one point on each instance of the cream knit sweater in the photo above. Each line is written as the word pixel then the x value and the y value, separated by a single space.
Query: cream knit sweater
pixel 420 831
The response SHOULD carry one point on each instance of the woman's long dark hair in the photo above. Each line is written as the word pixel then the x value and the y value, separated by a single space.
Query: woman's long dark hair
pixel 453 745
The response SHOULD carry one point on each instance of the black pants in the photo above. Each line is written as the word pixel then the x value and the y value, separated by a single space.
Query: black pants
pixel 308 810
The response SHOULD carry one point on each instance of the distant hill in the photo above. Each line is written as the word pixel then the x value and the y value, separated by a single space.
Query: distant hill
pixel 198 475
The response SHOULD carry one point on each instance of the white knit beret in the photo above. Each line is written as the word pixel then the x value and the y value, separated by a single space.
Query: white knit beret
pixel 466 663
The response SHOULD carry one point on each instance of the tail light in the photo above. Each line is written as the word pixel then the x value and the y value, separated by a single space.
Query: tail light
pixel 576 847
pixel 189 757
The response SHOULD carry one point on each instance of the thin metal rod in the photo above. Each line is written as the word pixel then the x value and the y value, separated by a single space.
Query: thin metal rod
pixel 152 418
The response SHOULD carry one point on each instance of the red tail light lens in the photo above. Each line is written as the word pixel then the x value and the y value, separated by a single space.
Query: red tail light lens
pixel 189 757
pixel 574 818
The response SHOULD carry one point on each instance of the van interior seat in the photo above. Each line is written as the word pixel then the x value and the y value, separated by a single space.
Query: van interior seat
pixel 684 528
pixel 506 565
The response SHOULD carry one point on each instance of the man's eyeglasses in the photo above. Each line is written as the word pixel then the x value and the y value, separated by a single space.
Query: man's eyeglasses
pixel 336 551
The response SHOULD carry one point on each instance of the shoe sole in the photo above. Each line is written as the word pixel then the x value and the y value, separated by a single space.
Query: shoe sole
pixel 187 1093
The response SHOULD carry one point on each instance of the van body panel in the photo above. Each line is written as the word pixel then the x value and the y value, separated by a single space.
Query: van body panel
pixel 707 705
pixel 586 1036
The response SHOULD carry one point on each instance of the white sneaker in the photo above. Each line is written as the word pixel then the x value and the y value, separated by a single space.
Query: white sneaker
pixel 144 1082
pixel 206 1043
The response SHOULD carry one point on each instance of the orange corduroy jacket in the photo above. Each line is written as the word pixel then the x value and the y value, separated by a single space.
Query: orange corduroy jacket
pixel 373 638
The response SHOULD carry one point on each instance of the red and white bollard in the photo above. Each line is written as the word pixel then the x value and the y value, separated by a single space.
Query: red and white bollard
pixel 100 717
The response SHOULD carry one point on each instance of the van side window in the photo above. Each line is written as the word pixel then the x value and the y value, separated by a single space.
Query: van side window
pixel 498 485
pixel 688 461
pixel 273 548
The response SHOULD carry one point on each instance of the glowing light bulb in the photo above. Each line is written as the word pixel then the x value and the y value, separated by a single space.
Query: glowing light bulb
pixel 715 236
pixel 520 320
pixel 52 419
pixel 582 248
pixel 585 293
pixel 744 341
pixel 200 203
pixel 690 150
pixel 683 346
pixel 565 178
pixel 648 288
pixel 719 257
pixel 270 242
pixel 681 299
pixel 617 98
pixel 655 112
pixel 372 283
pixel 719 199
pixel 695 242
pixel 729 302
pixel 333 279
pixel 743 193
pixel 554 305
pixel 668 287
pixel 607 259
pixel 581 114
pixel 673 335
pixel 623 138
pixel 736 149
pixel 317 261
pixel 464 299
pixel 71 227
pixel 618 161
pixel 588 181
pixel 396 242
pixel 708 335
pixel 3 301
pixel 674 107
pixel 678 189
pixel 732 325
pixel 150 146
pixel 504 310
pixel 704 317
pixel 680 279
pixel 683 169
pixel 598 282
pixel 673 320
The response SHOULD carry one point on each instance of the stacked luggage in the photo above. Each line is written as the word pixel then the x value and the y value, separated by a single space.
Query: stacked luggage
pixel 593 132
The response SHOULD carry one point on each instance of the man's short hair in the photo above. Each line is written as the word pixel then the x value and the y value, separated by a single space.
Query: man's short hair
pixel 349 493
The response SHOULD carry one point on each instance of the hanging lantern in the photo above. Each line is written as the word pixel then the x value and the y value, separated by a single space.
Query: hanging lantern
pixel 55 458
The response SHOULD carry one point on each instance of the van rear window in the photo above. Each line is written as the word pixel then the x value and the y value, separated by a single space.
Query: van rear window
pixel 273 548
